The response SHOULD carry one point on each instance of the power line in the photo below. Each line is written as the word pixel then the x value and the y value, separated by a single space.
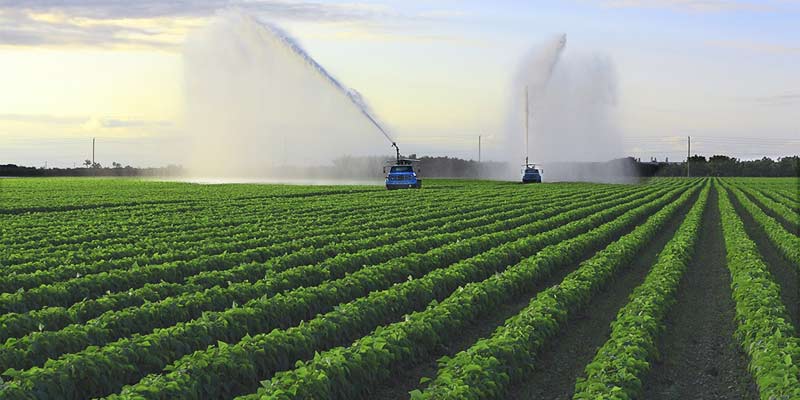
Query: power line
pixel 713 139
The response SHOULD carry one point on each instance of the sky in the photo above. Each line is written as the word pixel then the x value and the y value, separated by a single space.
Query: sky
pixel 726 72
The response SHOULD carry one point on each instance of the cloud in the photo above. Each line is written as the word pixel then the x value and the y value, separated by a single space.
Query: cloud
pixel 707 6
pixel 114 9
pixel 96 123
pixel 19 28
pixel 783 99
pixel 162 24
pixel 85 122
pixel 110 9
pixel 41 118
pixel 754 46
pixel 390 35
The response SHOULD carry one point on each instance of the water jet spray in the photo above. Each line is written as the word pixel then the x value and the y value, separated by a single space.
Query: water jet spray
pixel 572 114
pixel 354 96
pixel 531 173
pixel 255 97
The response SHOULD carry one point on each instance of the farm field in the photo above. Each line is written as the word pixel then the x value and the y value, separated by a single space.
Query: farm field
pixel 133 289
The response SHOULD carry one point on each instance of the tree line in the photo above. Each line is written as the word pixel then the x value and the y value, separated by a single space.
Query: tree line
pixel 95 169
pixel 452 167
pixel 722 165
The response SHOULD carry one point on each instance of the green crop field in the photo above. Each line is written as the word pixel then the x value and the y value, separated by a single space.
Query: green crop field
pixel 136 289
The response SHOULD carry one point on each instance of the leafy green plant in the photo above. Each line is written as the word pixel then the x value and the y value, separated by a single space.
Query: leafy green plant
pixel 619 365
pixel 786 242
pixel 486 369
pixel 763 326
pixel 127 360
pixel 348 373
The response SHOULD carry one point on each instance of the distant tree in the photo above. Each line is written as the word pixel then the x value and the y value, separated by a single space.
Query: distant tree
pixel 697 159
pixel 116 164
pixel 762 167
pixel 97 165
pixel 721 165
pixel 698 166
pixel 788 166
pixel 87 163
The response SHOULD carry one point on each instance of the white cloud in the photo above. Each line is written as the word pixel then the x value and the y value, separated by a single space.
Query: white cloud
pixel 88 123
pixel 781 99
pixel 696 5
pixel 152 23
pixel 755 46
pixel 110 9
pixel 41 119
pixel 21 28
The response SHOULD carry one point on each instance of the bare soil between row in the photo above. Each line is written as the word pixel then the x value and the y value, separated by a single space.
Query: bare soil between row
pixel 700 358
pixel 408 379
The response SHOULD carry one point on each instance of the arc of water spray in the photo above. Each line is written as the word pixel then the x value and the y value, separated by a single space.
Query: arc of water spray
pixel 548 74
pixel 562 43
pixel 351 94
pixel 549 60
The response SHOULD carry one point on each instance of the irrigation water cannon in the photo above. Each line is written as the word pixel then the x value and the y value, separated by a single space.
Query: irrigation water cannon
pixel 531 173
pixel 401 174
pixel 397 149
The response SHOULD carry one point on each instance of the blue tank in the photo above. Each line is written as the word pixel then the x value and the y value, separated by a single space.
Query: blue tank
pixel 532 175
pixel 402 176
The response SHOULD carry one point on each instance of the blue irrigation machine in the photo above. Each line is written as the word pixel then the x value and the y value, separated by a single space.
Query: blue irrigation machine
pixel 532 174
pixel 402 174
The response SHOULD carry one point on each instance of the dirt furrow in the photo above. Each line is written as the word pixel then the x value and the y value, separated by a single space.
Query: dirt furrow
pixel 700 358
pixel 409 379
pixel 563 360
pixel 783 271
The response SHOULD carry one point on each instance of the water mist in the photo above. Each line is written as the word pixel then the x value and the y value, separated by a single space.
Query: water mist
pixel 571 106
pixel 258 105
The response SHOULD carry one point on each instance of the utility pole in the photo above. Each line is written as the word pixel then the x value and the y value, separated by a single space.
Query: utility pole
pixel 92 152
pixel 688 154
pixel 479 148
pixel 480 173
pixel 526 125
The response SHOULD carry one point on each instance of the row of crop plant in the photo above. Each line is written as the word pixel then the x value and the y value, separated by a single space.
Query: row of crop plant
pixel 289 272
pixel 487 369
pixel 257 357
pixel 281 239
pixel 620 364
pixel 59 194
pixel 50 318
pixel 203 231
pixel 226 353
pixel 198 238
pixel 128 360
pixel 787 243
pixel 763 329
pixel 762 319
pixel 791 217
pixel 56 317
pixel 615 373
